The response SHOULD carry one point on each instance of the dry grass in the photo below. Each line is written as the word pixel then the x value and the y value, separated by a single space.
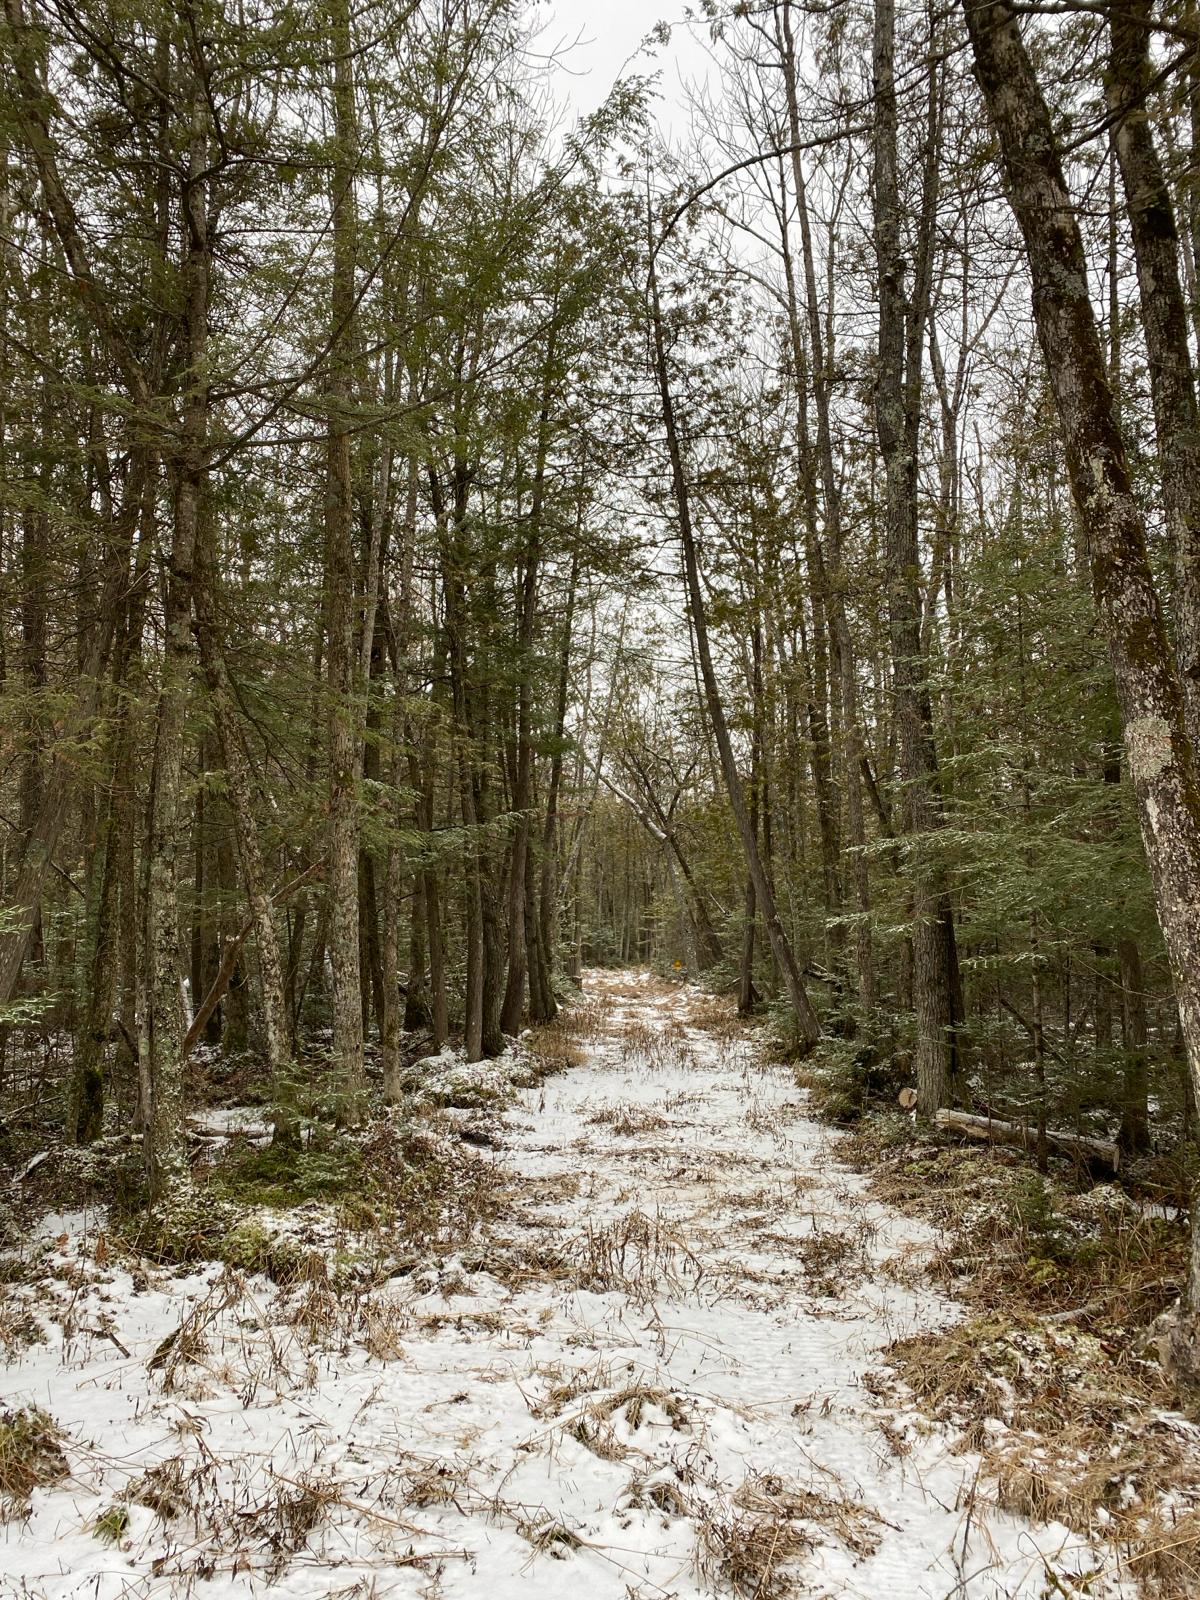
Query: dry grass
pixel 1166 1561
pixel 629 1121
pixel 657 1048
pixel 754 1546
pixel 831 1256
pixel 632 1402
pixel 434 1483
pixel 586 1021
pixel 163 1489
pixel 663 1493
pixel 637 1255
pixel 1051 1377
pixel 282 1522
pixel 549 1536
pixel 596 1437
pixel 717 1016
pixel 750 1554
pixel 556 1046
pixel 830 1508
pixel 19 1328
pixel 31 1457
pixel 1011 1238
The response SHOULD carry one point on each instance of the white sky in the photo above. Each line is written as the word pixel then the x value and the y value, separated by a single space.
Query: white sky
pixel 610 45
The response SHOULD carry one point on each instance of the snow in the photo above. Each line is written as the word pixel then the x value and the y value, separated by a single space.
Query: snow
pixel 656 1357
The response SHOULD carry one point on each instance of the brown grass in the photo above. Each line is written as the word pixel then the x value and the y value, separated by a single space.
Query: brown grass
pixel 31 1457
pixel 717 1016
pixel 629 1120
pixel 1051 1377
pixel 655 1047
pixel 636 1254
pixel 829 1508
pixel 750 1554
pixel 555 1046
pixel 1166 1561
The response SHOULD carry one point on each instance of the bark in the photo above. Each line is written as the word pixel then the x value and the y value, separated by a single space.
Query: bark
pixel 41 841
pixel 35 582
pixel 416 1012
pixel 1102 1152
pixel 206 952
pixel 520 908
pixel 1161 760
pixel 747 993
pixel 87 1087
pixel 897 416
pixel 1134 1136
pixel 513 1004
pixel 830 574
pixel 548 888
pixel 339 525
pixel 1155 239
pixel 225 975
pixel 162 1025
pixel 450 519
pixel 277 1028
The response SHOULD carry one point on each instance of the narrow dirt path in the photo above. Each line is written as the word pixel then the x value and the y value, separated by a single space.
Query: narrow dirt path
pixel 645 1381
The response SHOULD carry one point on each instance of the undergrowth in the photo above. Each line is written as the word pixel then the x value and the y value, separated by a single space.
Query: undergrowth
pixel 372 1201
pixel 1052 1377
pixel 31 1457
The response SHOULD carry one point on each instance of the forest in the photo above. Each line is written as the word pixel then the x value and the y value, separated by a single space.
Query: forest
pixel 599 801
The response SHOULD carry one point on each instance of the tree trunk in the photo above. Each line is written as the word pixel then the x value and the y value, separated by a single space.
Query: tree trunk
pixel 339 522
pixel 1161 760
pixel 1165 324
pixel 833 574
pixel 1134 1136
pixel 163 1023
pixel 897 414
pixel 277 1027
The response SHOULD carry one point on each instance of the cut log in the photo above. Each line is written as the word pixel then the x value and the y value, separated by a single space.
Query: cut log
pixel 1101 1152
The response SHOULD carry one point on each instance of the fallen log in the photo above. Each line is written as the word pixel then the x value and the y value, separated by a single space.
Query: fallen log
pixel 1102 1152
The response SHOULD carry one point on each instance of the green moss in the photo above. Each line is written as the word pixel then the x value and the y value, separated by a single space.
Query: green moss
pixel 283 1175
pixel 189 1226
pixel 195 1226
pixel 252 1248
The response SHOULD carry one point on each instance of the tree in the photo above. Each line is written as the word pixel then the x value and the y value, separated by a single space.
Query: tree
pixel 1161 761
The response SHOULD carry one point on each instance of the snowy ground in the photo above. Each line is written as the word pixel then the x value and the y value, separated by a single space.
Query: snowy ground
pixel 646 1382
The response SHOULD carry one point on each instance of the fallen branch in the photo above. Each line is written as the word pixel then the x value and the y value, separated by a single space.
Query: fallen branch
pixel 202 1130
pixel 1103 1152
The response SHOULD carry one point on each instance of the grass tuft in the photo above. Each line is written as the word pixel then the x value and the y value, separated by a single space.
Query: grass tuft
pixel 31 1457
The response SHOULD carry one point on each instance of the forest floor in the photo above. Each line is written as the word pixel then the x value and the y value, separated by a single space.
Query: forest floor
pixel 647 1369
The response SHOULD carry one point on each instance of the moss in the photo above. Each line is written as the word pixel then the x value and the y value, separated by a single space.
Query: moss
pixel 195 1226
pixel 252 1248
pixel 189 1226
pixel 284 1175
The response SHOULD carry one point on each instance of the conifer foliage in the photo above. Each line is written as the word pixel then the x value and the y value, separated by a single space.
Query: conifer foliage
pixel 443 547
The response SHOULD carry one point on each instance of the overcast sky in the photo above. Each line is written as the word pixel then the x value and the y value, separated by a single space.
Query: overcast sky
pixel 610 37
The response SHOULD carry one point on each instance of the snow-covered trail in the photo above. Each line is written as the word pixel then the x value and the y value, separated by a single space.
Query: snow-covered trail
pixel 647 1382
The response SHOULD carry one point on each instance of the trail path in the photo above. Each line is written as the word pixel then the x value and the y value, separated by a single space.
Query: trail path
pixel 648 1383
